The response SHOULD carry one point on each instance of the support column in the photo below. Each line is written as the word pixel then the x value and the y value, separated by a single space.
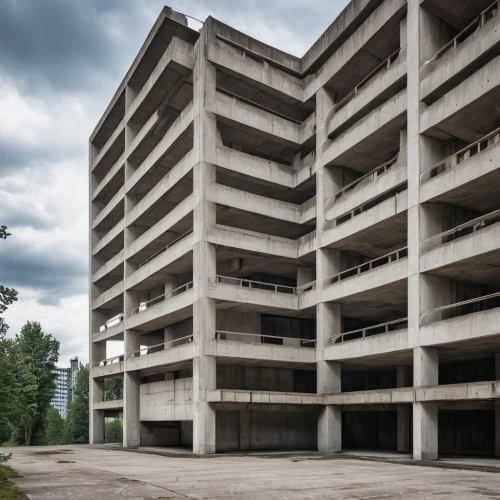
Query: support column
pixel 425 415
pixel 404 379
pixel 97 352
pixel 131 394
pixel 497 408
pixel 329 416
pixel 204 253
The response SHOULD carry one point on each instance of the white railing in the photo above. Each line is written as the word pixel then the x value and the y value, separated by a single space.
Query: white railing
pixel 482 305
pixel 369 331
pixel 256 284
pixel 161 298
pixel 182 236
pixel 376 172
pixel 162 347
pixel 385 65
pixel 478 23
pixel 367 266
pixel 464 154
pixel 111 322
pixel 110 361
pixel 290 341
pixel 460 231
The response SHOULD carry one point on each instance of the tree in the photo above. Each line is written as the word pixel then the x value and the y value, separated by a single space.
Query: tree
pixel 114 431
pixel 55 431
pixel 35 355
pixel 113 389
pixel 7 295
pixel 78 415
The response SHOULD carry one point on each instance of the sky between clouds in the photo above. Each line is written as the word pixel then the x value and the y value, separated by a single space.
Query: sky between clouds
pixel 60 63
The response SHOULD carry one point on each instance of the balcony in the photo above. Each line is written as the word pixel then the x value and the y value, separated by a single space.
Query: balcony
pixel 169 308
pixel 363 333
pixel 146 305
pixel 166 247
pixel 112 328
pixel 172 351
pixel 461 156
pixel 461 231
pixel 478 23
pixel 466 307
pixel 473 47
pixel 109 366
pixel 256 284
pixel 258 338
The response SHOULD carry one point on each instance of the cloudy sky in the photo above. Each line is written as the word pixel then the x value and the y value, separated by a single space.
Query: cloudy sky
pixel 60 63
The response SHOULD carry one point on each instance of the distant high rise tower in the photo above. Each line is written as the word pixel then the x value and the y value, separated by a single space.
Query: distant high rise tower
pixel 66 382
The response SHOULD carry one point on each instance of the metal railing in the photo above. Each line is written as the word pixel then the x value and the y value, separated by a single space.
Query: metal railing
pixel 369 331
pixel 384 65
pixel 367 266
pixel 464 154
pixel 111 322
pixel 268 339
pixel 376 172
pixel 460 231
pixel 478 23
pixel 162 347
pixel 256 284
pixel 165 247
pixel 161 298
pixel 478 304
pixel 111 361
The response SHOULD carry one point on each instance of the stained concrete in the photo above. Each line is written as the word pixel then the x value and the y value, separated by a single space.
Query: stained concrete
pixel 82 472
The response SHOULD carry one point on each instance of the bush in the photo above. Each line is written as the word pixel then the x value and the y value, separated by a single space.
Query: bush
pixel 113 431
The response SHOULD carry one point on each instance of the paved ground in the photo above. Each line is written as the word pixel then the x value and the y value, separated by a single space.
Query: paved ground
pixel 83 472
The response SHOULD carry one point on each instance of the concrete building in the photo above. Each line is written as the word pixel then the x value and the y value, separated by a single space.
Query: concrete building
pixel 65 387
pixel 304 253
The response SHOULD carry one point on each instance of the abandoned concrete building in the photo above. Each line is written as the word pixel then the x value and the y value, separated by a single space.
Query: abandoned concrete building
pixel 303 253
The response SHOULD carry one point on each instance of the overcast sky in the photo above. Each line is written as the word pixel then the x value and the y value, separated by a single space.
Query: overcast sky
pixel 60 63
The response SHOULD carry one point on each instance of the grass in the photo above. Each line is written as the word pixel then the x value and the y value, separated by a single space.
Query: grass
pixel 8 489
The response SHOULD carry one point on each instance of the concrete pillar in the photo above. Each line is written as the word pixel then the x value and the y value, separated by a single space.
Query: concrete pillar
pixel 425 415
pixel 96 421
pixel 131 395
pixel 330 416
pixel 497 408
pixel 404 378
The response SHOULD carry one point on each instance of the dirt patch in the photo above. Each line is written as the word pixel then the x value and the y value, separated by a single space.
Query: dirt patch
pixel 54 452
pixel 65 462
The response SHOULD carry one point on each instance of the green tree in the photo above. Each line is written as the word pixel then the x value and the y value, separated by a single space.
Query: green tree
pixel 35 355
pixel 113 389
pixel 55 430
pixel 113 431
pixel 7 295
pixel 77 423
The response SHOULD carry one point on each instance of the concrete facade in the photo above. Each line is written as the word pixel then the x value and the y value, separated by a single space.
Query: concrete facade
pixel 303 253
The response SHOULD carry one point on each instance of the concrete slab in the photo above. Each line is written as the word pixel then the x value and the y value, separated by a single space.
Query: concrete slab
pixel 82 472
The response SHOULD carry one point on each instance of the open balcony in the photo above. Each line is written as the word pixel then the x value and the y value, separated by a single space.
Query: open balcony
pixel 109 367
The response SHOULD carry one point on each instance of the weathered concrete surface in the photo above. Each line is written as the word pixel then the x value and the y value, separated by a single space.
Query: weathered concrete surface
pixel 88 472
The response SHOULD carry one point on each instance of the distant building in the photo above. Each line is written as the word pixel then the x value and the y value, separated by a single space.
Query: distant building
pixel 65 390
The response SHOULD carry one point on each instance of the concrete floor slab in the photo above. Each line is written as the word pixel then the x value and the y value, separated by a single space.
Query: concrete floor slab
pixel 82 472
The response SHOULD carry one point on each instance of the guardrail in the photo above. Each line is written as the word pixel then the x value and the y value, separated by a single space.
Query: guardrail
pixel 478 23
pixel 222 335
pixel 464 154
pixel 367 266
pixel 369 331
pixel 460 231
pixel 256 284
pixel 110 361
pixel 111 322
pixel 161 298
pixel 376 172
pixel 165 248
pixel 482 302
pixel 385 65
pixel 165 345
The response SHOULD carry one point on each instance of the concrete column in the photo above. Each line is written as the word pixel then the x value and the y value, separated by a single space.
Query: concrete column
pixel 204 253
pixel 404 379
pixel 330 416
pixel 131 395
pixel 425 415
pixel 497 408
pixel 96 421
